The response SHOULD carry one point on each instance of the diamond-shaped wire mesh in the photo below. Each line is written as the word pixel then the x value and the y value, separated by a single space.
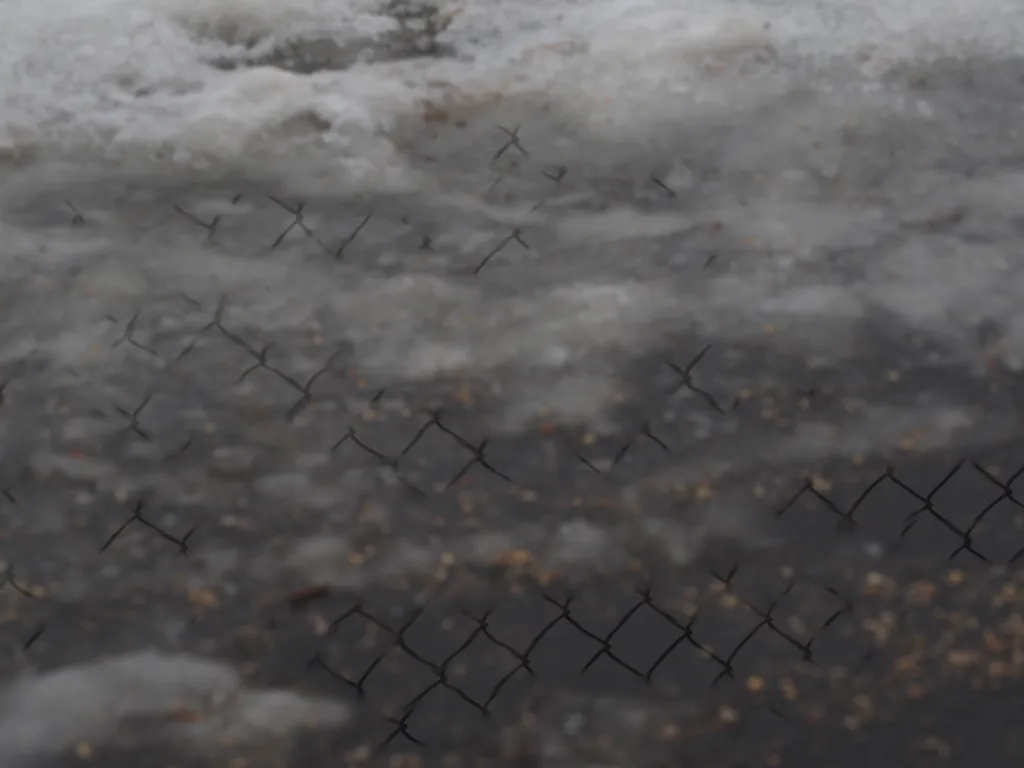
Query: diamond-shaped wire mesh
pixel 387 569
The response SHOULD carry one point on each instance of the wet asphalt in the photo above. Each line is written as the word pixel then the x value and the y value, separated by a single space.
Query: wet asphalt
pixel 764 560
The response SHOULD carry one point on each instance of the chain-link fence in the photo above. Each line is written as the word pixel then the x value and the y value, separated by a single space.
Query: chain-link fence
pixel 292 481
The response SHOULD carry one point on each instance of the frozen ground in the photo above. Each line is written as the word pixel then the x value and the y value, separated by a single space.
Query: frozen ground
pixel 389 300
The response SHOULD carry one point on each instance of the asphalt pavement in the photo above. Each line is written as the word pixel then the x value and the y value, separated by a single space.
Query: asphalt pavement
pixel 329 481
